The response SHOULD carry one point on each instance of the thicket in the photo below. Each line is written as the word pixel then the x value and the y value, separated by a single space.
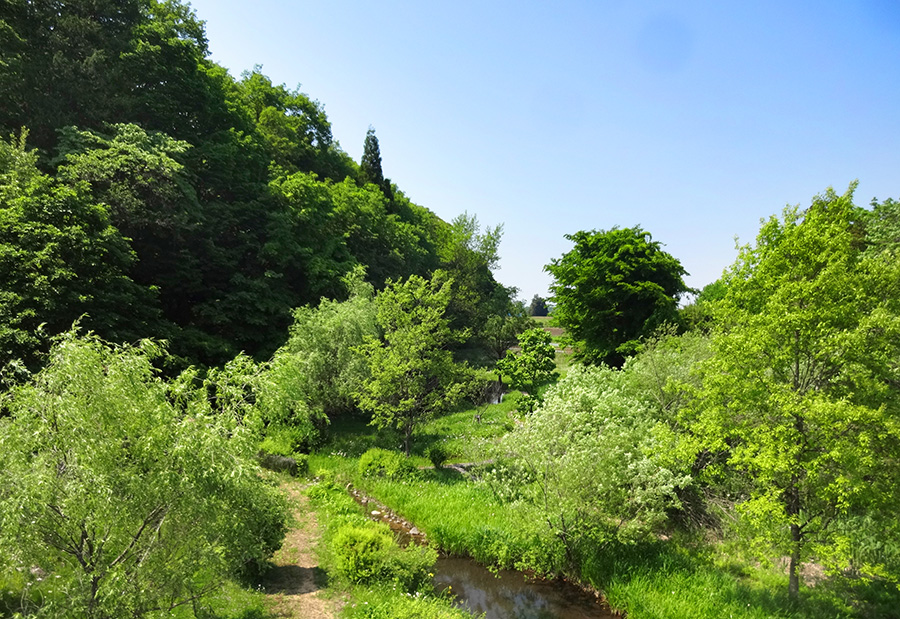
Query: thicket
pixel 123 494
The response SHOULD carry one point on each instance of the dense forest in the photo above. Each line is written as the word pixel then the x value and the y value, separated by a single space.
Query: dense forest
pixel 203 297
pixel 148 193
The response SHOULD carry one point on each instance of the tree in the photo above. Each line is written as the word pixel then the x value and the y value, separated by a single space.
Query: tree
pixel 801 394
pixel 613 288
pixel 534 364
pixel 124 495
pixel 321 363
pixel 501 331
pixel 370 166
pixel 589 460
pixel 413 375
pixel 538 306
pixel 60 259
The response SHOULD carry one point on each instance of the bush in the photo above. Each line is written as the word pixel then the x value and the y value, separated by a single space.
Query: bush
pixel 369 555
pixel 437 454
pixel 287 440
pixel 361 553
pixel 383 463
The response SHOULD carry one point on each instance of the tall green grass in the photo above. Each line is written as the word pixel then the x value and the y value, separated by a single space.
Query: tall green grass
pixel 385 600
pixel 685 576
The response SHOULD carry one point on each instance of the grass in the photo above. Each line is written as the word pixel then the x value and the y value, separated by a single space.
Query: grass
pixel 372 601
pixel 681 577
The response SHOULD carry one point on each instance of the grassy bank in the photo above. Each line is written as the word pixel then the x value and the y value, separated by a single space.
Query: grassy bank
pixel 685 575
pixel 377 580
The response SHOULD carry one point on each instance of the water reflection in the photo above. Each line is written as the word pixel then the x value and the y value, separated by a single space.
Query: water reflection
pixel 512 596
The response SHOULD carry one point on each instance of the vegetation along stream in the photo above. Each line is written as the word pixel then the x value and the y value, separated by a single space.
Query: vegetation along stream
pixel 502 594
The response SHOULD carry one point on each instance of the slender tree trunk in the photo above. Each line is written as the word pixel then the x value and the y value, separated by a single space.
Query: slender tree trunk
pixel 793 512
pixel 793 569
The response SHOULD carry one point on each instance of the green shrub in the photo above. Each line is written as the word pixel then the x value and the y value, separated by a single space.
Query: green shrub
pixel 289 441
pixel 383 463
pixel 369 555
pixel 410 568
pixel 361 553
pixel 437 453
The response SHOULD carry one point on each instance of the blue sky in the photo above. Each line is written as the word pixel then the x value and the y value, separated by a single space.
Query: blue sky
pixel 691 119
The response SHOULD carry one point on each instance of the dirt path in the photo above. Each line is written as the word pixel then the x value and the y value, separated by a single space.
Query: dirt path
pixel 292 586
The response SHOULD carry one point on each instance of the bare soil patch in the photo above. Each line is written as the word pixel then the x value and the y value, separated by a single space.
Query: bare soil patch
pixel 292 586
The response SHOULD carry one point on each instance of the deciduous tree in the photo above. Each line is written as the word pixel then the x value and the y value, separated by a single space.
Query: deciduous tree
pixel 123 495
pixel 613 288
pixel 801 394
pixel 413 375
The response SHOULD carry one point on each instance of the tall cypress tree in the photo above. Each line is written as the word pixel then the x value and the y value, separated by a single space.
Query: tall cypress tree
pixel 370 167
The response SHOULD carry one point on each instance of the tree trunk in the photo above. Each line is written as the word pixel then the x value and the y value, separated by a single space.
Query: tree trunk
pixel 793 511
pixel 793 569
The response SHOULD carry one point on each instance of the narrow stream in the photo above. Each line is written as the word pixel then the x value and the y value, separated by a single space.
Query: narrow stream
pixel 508 595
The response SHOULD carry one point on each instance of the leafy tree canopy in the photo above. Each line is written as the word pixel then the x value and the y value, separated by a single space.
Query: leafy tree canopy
pixel 613 288
pixel 801 393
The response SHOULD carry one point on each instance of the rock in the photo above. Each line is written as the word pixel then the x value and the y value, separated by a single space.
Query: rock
pixel 375 512
pixel 415 531
pixel 278 463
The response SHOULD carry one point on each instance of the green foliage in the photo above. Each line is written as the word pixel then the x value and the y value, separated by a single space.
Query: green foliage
pixel 60 258
pixel 378 462
pixel 369 555
pixel 538 306
pixel 801 393
pixel 589 457
pixel 370 171
pixel 534 365
pixel 612 289
pixel 130 494
pixel 320 365
pixel 361 552
pixel 413 375
pixel 501 331
pixel 437 455
pixel 469 255
pixel 286 441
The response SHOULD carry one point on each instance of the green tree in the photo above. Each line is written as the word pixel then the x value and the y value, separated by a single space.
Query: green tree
pixel 60 258
pixel 124 495
pixel 534 365
pixel 413 375
pixel 321 363
pixel 801 394
pixel 538 306
pixel 501 331
pixel 590 460
pixel 613 288
pixel 370 166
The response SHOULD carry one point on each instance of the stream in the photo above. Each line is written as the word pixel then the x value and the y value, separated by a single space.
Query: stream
pixel 508 595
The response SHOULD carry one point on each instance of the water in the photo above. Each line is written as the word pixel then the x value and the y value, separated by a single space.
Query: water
pixel 511 595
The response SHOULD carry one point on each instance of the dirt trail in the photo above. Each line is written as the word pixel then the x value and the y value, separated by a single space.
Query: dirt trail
pixel 292 586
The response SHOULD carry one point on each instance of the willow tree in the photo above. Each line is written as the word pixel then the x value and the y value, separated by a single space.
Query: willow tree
pixel 801 395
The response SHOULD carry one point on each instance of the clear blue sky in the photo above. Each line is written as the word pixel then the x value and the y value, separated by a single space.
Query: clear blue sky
pixel 691 119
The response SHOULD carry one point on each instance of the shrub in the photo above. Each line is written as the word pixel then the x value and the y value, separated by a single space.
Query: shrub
pixel 437 453
pixel 383 463
pixel 369 555
pixel 361 552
